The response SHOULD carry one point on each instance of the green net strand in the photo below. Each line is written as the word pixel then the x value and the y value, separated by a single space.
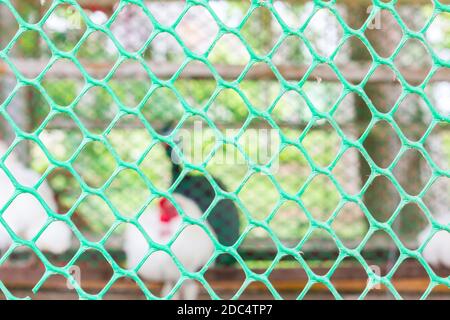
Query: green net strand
pixel 254 167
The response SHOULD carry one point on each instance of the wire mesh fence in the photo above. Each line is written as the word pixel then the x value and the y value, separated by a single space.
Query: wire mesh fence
pixel 303 145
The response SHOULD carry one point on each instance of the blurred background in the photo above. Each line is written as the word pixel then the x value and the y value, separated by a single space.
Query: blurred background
pixel 347 144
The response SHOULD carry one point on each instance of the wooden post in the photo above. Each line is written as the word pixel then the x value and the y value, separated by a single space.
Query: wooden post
pixel 375 146
pixel 380 144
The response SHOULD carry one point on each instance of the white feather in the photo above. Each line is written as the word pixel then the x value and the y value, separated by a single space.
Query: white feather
pixel 193 247
pixel 437 251
pixel 25 215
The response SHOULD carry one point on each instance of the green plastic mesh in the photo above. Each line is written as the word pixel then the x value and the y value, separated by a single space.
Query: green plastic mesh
pixel 254 114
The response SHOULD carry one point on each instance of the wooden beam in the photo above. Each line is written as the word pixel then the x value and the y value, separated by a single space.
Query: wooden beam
pixel 108 3
pixel 355 71
pixel 347 279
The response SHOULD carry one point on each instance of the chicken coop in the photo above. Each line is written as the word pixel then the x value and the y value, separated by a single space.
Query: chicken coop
pixel 259 149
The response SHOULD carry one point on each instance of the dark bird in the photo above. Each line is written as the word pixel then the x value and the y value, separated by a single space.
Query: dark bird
pixel 224 217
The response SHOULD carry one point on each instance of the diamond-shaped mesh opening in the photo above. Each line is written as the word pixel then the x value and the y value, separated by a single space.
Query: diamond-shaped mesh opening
pixel 319 263
pixel 95 164
pixel 353 109
pixel 16 215
pixel 59 179
pixel 262 259
pixel 27 10
pixel 439 187
pixel 261 31
pixel 131 27
pixel 351 237
pixel 385 154
pixel 39 50
pixel 435 91
pixel 260 142
pixel 384 25
pixel 158 175
pixel 38 106
pixel 129 185
pixel 382 262
pixel 352 181
pixel 63 91
pixel 324 41
pixel 152 269
pixel 197 140
pixel 290 224
pixel 164 48
pixel 323 95
pixel 200 257
pixel 293 50
pixel 339 277
pixel 422 14
pixel 354 49
pixel 434 145
pixel 410 266
pixel 100 49
pixel 257 183
pixel 383 102
pixel 413 183
pixel 16 169
pixel 224 149
pixel 193 97
pixel 286 271
pixel 291 113
pixel 229 50
pixel 229 112
pixel 227 222
pixel 191 29
pixel 292 158
pixel 161 108
pixel 89 209
pixel 436 37
pixel 234 274
pixel 319 209
pixel 53 251
pixel 87 260
pixel 132 146
pixel 127 86
pixel 60 144
pixel 252 89
pixel 322 154
pixel 414 108
pixel 413 51
pixel 94 104
pixel 409 224
pixel 381 188
pixel 65 27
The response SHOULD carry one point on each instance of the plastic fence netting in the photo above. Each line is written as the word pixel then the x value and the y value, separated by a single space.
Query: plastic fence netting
pixel 391 143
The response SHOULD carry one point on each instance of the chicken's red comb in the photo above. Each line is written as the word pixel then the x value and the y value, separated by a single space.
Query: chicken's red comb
pixel 163 202
pixel 167 210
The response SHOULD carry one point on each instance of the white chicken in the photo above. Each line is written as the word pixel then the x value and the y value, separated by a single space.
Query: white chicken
pixel 25 215
pixel 437 251
pixel 192 247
